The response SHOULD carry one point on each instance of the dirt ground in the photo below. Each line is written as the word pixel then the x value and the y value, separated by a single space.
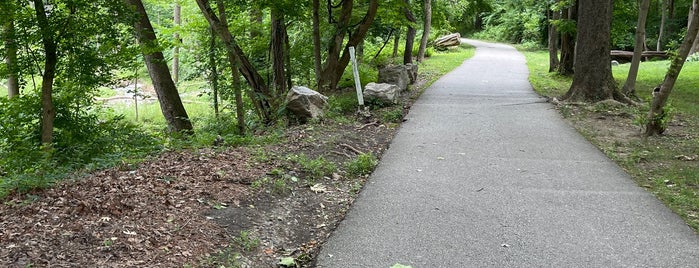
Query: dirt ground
pixel 213 207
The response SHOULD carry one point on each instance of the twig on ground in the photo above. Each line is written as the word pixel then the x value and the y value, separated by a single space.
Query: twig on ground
pixel 351 148
pixel 374 123
pixel 342 153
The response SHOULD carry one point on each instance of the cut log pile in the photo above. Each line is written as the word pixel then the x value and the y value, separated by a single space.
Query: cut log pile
pixel 446 41
pixel 626 56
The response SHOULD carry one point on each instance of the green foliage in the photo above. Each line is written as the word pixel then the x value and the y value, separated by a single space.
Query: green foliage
pixel 82 140
pixel 315 169
pixel 515 22
pixel 364 164
pixel 367 74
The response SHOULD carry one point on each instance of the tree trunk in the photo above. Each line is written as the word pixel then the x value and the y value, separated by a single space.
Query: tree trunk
pixel 11 55
pixel 593 79
pixel 629 88
pixel 176 48
pixel 566 66
pixel 396 44
pixel 170 102
pixel 48 111
pixel 410 37
pixel 338 57
pixel 317 61
pixel 426 30
pixel 553 41
pixel 237 59
pixel 695 45
pixel 657 117
pixel 278 51
pixel 213 75
pixel 663 19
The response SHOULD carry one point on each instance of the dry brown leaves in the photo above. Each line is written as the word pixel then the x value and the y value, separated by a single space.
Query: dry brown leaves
pixel 152 216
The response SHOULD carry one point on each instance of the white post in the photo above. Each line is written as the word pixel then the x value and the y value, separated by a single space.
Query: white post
pixel 357 83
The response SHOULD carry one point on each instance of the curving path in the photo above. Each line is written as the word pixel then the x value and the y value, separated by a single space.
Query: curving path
pixel 486 174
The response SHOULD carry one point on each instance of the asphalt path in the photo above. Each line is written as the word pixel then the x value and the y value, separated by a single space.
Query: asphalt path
pixel 485 173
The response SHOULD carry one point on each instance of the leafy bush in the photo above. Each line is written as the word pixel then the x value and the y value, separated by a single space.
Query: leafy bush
pixel 81 140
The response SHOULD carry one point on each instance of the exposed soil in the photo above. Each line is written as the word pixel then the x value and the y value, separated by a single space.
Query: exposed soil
pixel 214 207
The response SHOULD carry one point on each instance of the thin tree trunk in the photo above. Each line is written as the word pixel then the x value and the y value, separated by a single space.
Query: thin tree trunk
pixel 176 48
pixel 567 63
pixel 170 102
pixel 48 112
pixel 426 30
pixel 11 57
pixel 410 37
pixel 396 44
pixel 695 45
pixel 657 116
pixel 553 41
pixel 237 59
pixel 278 51
pixel 213 76
pixel 629 88
pixel 663 19
pixel 317 61
pixel 338 55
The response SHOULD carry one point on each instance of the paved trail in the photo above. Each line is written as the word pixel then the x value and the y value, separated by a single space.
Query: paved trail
pixel 486 174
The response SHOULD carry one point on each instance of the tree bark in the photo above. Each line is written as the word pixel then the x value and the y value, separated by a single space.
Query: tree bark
pixel 170 102
pixel 278 51
pixel 656 115
pixel 237 59
pixel 396 44
pixel 176 48
pixel 48 111
pixel 593 79
pixel 566 66
pixel 410 37
pixel 317 61
pixel 663 19
pixel 426 30
pixel 11 55
pixel 629 88
pixel 338 57
pixel 695 45
pixel 553 41
pixel 213 75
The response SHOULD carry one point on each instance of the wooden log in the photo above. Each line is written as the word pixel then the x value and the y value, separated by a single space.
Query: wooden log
pixel 626 56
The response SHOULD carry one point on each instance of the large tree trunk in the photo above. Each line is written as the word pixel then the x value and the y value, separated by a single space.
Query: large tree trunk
pixel 663 19
pixel 593 79
pixel 566 66
pixel 48 111
pixel 695 45
pixel 170 102
pixel 11 54
pixel 317 61
pixel 338 55
pixel 176 48
pixel 278 51
pixel 426 30
pixel 553 40
pixel 237 59
pixel 410 37
pixel 629 88
pixel 657 117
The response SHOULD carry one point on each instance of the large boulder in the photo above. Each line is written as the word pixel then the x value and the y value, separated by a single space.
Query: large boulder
pixel 395 74
pixel 382 93
pixel 305 103
pixel 412 72
pixel 447 41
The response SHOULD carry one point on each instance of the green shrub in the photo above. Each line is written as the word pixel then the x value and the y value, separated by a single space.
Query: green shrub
pixel 314 168
pixel 364 164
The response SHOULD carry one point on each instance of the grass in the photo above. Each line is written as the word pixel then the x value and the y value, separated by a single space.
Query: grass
pixel 652 162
